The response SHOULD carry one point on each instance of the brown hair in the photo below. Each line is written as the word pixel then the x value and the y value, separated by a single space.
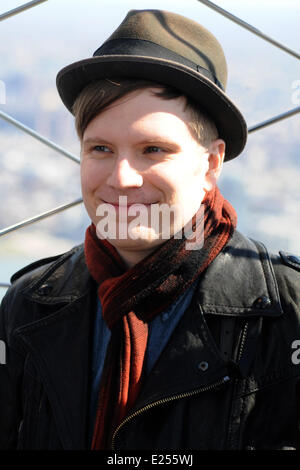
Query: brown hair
pixel 97 96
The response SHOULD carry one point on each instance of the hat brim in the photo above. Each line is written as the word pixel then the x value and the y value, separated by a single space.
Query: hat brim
pixel 229 121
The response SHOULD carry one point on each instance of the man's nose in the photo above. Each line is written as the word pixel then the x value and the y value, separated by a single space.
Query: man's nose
pixel 124 175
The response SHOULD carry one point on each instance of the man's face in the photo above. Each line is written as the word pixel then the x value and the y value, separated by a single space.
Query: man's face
pixel 141 148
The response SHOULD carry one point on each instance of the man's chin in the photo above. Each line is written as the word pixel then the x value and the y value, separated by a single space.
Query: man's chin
pixel 139 243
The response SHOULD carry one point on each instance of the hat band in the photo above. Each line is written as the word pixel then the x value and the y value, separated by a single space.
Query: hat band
pixel 141 47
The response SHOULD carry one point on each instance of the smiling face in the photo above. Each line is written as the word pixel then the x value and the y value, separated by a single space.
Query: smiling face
pixel 141 147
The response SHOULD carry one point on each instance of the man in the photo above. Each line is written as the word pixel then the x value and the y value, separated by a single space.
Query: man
pixel 168 329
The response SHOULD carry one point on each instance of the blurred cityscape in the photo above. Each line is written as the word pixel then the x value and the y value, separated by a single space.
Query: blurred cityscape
pixel 262 184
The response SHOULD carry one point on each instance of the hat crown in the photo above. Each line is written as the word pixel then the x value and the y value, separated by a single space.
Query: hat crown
pixel 168 49
pixel 177 33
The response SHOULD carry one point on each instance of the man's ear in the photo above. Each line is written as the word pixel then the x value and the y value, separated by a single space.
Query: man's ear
pixel 216 151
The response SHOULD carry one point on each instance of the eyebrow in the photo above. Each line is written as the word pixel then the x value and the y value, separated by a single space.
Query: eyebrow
pixel 93 140
pixel 150 140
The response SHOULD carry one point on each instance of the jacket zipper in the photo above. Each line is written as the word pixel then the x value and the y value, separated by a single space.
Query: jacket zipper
pixel 182 395
pixel 239 355
pixel 243 340
pixel 224 379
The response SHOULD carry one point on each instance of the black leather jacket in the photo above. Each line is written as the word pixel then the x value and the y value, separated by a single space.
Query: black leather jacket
pixel 229 377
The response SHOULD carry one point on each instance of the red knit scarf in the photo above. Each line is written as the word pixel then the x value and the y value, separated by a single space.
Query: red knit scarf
pixel 130 298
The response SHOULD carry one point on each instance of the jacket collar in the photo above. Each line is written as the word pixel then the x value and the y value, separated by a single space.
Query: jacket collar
pixel 240 282
pixel 62 281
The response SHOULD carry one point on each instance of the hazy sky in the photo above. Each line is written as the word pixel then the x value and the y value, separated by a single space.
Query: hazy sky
pixel 279 18
pixel 263 182
pixel 37 43
pixel 77 27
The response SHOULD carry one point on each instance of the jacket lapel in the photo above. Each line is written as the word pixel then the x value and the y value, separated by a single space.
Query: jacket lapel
pixel 240 282
pixel 59 349
pixel 59 342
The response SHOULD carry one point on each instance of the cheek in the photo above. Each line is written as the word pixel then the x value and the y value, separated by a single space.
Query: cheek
pixel 91 175
pixel 164 178
pixel 183 185
pixel 173 177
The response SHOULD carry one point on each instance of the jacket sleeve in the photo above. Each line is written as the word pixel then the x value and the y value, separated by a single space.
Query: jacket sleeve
pixel 10 382
pixel 288 281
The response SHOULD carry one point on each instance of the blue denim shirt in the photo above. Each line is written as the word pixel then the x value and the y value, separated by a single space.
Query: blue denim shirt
pixel 160 330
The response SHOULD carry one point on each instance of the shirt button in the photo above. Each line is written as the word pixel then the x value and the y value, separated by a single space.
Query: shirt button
pixel 203 366
pixel 165 316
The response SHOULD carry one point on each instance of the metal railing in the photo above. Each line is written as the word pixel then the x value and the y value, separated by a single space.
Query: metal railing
pixel 274 119
pixel 5 285
pixel 37 136
pixel 250 28
pixel 67 154
pixel 20 9
pixel 41 216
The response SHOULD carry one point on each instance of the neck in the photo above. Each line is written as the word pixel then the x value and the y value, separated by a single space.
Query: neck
pixel 133 257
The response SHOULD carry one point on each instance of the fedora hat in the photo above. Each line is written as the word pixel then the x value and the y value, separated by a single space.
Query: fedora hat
pixel 170 49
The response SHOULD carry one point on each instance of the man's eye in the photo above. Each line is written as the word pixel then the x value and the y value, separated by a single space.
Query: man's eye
pixel 101 148
pixel 153 149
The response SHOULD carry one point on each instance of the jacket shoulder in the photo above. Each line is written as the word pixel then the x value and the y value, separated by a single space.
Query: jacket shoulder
pixel 286 267
pixel 34 275
pixel 33 271
pixel 246 284
pixel 287 271
pixel 291 260
pixel 34 268
pixel 34 286
pixel 281 270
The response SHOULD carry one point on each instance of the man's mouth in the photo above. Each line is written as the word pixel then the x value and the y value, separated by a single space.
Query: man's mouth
pixel 129 204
